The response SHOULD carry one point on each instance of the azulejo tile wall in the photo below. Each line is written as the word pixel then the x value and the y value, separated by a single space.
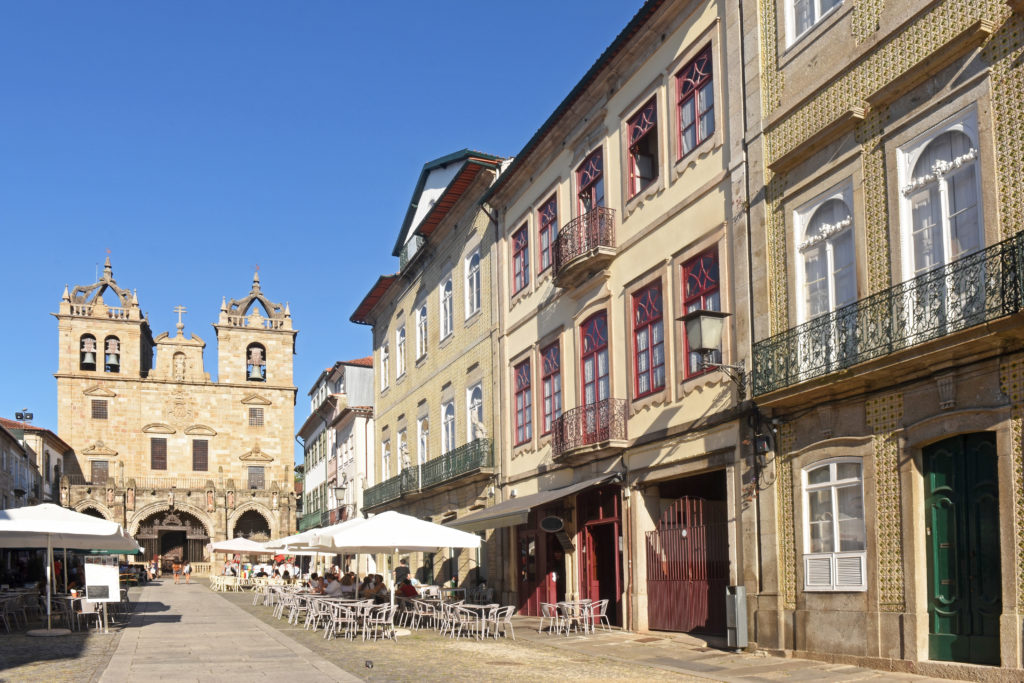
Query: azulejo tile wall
pixel 884 415
pixel 1011 378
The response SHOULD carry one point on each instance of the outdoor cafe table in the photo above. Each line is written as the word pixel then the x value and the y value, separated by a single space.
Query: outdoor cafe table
pixel 482 612
pixel 450 594
pixel 576 613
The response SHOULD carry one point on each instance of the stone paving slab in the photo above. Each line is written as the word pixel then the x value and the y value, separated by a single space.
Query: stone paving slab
pixel 182 632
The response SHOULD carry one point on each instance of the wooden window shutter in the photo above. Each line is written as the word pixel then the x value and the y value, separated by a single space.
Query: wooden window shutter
pixel 200 455
pixel 158 454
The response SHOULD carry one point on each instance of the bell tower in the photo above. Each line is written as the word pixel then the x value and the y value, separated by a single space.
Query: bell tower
pixel 255 341
pixel 99 341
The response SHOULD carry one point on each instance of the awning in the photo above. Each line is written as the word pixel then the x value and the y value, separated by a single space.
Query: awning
pixel 515 511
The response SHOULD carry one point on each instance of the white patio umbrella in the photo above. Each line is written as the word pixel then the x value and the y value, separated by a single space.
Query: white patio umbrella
pixel 393 532
pixel 304 542
pixel 240 545
pixel 49 526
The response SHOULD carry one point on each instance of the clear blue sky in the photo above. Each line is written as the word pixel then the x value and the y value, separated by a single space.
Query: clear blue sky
pixel 198 139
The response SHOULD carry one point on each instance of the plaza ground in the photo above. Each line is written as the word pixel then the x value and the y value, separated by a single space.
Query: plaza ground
pixel 188 633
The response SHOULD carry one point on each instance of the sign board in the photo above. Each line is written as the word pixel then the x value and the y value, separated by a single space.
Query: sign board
pixel 102 579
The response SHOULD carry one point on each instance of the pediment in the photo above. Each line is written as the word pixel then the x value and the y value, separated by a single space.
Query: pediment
pixel 255 455
pixel 99 448
pixel 256 400
pixel 158 428
pixel 97 390
pixel 200 430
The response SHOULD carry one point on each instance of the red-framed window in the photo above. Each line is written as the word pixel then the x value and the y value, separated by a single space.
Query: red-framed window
pixel 648 340
pixel 643 147
pixel 696 102
pixel 547 221
pixel 594 358
pixel 700 284
pixel 551 385
pixel 590 181
pixel 520 259
pixel 523 402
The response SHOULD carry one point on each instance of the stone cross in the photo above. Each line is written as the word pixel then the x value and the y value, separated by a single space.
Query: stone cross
pixel 179 310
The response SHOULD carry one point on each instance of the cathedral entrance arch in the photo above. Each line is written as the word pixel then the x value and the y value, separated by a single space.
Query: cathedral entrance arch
pixel 253 526
pixel 174 535
pixel 92 511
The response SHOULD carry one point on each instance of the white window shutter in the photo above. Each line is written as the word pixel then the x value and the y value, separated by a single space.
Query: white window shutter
pixel 850 572
pixel 818 572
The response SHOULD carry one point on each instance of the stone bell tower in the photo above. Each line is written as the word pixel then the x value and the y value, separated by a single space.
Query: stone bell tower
pixel 255 341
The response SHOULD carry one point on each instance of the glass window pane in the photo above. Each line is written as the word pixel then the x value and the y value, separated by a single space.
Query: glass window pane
pixel 821 524
pixel 819 475
pixel 963 200
pixel 926 229
pixel 851 518
pixel 847 470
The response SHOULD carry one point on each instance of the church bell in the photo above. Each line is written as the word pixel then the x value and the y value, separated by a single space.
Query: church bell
pixel 88 358
pixel 255 372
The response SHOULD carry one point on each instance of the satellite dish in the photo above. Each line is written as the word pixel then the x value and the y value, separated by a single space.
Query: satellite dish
pixel 552 524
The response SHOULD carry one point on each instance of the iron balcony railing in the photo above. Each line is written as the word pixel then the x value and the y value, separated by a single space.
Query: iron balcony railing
pixel 588 425
pixel 309 521
pixel 977 288
pixel 453 464
pixel 595 228
pixel 386 491
pixel 409 250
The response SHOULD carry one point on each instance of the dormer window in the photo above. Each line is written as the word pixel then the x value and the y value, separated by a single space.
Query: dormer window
pixel 87 353
pixel 256 363
pixel 112 354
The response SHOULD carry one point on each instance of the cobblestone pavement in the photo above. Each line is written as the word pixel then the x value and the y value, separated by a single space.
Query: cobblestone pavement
pixel 80 656
pixel 615 655
pixel 425 656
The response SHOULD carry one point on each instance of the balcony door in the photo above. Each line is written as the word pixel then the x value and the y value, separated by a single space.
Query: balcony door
pixel 594 366
pixel 944 235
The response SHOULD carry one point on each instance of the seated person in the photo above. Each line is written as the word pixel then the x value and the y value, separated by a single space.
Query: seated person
pixel 366 587
pixel 333 588
pixel 348 585
pixel 316 584
pixel 407 590
pixel 262 573
pixel 380 589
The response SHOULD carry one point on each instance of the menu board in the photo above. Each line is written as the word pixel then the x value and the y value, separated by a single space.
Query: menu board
pixel 102 579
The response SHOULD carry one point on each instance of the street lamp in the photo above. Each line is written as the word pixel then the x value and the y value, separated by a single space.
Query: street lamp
pixel 704 335
pixel 339 495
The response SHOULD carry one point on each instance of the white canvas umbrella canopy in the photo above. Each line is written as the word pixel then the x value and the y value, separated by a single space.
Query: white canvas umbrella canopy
pixel 49 526
pixel 239 545
pixel 304 542
pixel 393 532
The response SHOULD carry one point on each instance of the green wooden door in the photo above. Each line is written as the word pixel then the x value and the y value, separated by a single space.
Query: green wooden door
pixel 962 526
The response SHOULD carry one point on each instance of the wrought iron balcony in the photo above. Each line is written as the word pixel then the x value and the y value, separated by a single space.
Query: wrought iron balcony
pixel 584 244
pixel 975 289
pixel 591 425
pixel 309 521
pixel 384 492
pixel 409 250
pixel 454 464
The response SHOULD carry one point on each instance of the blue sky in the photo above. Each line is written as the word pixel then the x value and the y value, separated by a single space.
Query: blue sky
pixel 198 139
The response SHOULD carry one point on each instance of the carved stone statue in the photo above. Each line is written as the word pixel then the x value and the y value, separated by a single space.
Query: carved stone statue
pixel 131 499
pixel 110 497
pixel 179 367
pixel 170 498
pixel 479 430
pixel 209 501
pixel 231 499
pixel 274 500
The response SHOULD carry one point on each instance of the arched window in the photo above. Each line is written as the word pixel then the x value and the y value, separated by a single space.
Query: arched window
pixel 256 363
pixel 827 253
pixel 421 332
pixel 446 308
pixel 942 199
pixel 400 352
pixel 112 354
pixel 475 413
pixel 473 284
pixel 87 352
pixel 447 426
pixel 423 429
pixel 385 358
pixel 834 533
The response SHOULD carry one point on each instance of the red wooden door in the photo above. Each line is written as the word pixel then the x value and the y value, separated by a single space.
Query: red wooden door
pixel 688 567
pixel 536 579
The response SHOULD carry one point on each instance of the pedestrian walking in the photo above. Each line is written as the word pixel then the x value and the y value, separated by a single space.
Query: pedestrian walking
pixel 176 568
pixel 187 571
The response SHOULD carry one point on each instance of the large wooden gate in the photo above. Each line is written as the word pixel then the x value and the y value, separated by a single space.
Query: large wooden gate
pixel 688 567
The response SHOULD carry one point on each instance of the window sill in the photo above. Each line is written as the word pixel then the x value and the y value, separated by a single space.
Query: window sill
pixel 701 151
pixel 445 340
pixel 471 318
pixel 638 199
pixel 648 401
pixel 421 360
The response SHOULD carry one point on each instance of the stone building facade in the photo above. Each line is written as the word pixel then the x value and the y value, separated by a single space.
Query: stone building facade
pixel 45 452
pixel 178 459
pixel 620 215
pixel 435 344
pixel 888 346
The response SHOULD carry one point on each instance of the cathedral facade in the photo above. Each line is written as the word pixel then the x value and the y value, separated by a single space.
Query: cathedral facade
pixel 178 459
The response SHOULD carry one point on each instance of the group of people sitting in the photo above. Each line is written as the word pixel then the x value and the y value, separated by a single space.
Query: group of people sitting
pixel 348 585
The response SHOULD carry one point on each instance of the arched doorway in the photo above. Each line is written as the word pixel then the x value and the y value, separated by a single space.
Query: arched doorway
pixel 252 525
pixel 92 512
pixel 174 536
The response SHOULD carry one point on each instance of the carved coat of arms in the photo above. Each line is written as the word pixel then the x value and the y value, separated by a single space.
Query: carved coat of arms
pixel 179 412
